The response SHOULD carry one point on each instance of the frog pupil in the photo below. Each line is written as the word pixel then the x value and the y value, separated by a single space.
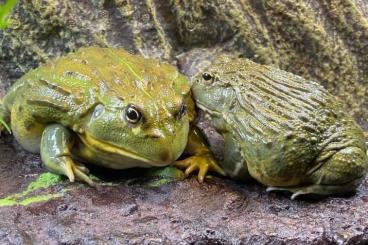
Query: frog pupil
pixel 206 76
pixel 183 109
pixel 132 114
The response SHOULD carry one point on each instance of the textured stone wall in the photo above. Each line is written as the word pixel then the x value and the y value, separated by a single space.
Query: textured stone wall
pixel 324 40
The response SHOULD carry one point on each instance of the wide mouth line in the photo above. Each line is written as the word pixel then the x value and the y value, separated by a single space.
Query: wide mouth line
pixel 91 141
pixel 205 109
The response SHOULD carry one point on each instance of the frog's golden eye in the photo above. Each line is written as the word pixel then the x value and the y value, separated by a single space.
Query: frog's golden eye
pixel 182 111
pixel 132 114
pixel 206 76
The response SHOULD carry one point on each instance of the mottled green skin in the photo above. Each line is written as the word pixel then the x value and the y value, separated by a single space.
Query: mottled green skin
pixel 67 92
pixel 280 129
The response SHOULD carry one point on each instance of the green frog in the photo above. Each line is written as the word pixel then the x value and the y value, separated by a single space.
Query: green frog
pixel 107 107
pixel 287 133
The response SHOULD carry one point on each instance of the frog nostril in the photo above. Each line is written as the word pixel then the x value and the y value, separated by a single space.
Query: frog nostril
pixel 155 134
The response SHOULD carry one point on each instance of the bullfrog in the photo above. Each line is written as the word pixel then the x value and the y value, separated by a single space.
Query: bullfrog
pixel 285 132
pixel 107 107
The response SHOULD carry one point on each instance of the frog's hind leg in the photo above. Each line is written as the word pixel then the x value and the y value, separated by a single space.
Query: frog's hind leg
pixel 56 143
pixel 318 189
pixel 339 174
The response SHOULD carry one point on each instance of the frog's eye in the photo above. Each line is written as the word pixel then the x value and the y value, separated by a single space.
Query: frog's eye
pixel 132 114
pixel 98 111
pixel 182 111
pixel 206 76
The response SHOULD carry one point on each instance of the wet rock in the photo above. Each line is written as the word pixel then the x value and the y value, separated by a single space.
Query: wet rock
pixel 128 209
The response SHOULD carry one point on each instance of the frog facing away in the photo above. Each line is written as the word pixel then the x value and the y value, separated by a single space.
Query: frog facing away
pixel 285 132
pixel 107 107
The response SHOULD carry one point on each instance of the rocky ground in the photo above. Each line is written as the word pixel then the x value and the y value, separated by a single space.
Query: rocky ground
pixel 126 210
pixel 321 40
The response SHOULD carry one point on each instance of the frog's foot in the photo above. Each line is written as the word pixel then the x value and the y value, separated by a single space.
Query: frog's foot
pixel 4 117
pixel 202 163
pixel 297 191
pixel 55 147
pixel 4 125
pixel 322 190
pixel 77 171
pixel 66 166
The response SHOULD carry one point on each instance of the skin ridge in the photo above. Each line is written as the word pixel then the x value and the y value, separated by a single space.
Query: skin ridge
pixel 288 106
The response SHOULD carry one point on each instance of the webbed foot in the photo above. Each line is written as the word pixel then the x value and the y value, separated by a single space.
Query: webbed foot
pixel 202 163
pixel 72 170
pixel 64 165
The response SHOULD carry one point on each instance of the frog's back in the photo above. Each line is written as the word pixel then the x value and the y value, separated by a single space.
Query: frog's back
pixel 91 69
pixel 276 102
pixel 309 138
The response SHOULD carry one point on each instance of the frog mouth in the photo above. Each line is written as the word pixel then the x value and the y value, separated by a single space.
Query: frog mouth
pixel 206 109
pixel 92 142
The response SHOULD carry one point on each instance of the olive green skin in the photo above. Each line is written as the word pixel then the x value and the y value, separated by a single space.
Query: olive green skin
pixel 280 129
pixel 86 93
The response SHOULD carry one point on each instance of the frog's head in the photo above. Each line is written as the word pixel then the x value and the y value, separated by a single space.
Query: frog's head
pixel 211 86
pixel 143 114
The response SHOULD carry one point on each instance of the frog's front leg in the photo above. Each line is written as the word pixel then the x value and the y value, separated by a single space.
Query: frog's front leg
pixel 201 158
pixel 4 119
pixel 56 143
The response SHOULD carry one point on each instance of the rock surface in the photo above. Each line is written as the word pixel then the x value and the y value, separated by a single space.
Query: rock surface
pixel 322 40
pixel 218 211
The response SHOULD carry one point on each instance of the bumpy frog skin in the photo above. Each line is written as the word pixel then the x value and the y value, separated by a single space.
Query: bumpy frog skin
pixel 285 132
pixel 107 107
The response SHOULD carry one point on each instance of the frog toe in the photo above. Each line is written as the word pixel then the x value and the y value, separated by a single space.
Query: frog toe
pixel 192 164
pixel 297 191
pixel 202 163
pixel 273 188
pixel 82 167
pixel 4 120
pixel 4 125
pixel 74 171
pixel 81 173
pixel 202 173
pixel 182 164
pixel 67 168
pixel 317 189
pixel 190 169
pixel 77 171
